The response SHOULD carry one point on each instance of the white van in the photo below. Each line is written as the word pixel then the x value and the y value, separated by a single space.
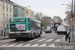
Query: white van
pixel 61 29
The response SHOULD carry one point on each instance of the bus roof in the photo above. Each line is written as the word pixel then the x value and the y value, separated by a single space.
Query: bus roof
pixel 36 20
pixel 18 17
pixel 29 18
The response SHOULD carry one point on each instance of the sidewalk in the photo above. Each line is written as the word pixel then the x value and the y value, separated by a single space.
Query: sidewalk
pixel 68 44
pixel 2 38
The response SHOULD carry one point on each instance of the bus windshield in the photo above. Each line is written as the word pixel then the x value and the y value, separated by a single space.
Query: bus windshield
pixel 17 20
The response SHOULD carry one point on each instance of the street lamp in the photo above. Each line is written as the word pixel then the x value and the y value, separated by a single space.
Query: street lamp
pixel 27 6
pixel 71 34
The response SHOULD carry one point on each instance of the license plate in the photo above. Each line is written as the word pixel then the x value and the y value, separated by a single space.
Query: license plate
pixel 18 34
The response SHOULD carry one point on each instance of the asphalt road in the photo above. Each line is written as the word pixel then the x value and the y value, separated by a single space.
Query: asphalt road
pixel 48 40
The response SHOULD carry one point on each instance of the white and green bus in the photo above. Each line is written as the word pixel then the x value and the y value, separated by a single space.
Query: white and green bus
pixel 22 27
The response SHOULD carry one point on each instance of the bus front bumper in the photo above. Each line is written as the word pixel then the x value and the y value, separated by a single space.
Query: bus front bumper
pixel 20 35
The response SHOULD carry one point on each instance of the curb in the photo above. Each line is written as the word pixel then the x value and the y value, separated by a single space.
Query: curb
pixel 3 38
pixel 66 42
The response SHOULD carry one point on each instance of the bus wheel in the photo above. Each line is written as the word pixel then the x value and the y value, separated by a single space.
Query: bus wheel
pixel 57 33
pixel 39 36
pixel 33 36
pixel 17 39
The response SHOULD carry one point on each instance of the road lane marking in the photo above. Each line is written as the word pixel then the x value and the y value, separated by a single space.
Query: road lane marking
pixel 63 37
pixel 40 40
pixel 35 45
pixel 51 45
pixel 11 45
pixel 49 40
pixel 27 45
pixel 32 40
pixel 58 40
pixel 43 45
pixel 4 45
pixel 19 45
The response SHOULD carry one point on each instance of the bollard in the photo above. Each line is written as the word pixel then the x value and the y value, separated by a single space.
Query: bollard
pixel 69 38
pixel 66 37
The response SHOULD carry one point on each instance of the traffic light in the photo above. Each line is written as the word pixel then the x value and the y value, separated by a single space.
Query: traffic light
pixel 64 19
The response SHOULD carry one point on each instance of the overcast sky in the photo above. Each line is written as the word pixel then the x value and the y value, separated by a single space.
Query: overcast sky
pixel 48 7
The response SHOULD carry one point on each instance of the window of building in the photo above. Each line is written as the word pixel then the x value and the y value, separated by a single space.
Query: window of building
pixel 10 8
pixel 3 14
pixel 10 16
pixel 7 17
pixel 3 6
pixel 3 17
pixel 7 7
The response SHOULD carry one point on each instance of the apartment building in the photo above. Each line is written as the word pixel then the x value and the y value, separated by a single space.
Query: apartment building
pixel 57 19
pixel 28 13
pixel 6 11
pixel 10 9
pixel 18 10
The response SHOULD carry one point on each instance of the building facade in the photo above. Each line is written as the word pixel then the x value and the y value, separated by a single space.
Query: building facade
pixel 28 13
pixel 57 19
pixel 6 11
pixel 10 9
pixel 18 11
pixel 46 21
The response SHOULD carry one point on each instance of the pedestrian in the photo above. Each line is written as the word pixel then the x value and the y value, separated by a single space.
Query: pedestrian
pixel 67 35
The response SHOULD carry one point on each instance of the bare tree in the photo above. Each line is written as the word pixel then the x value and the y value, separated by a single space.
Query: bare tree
pixel 38 15
pixel 68 17
pixel 44 22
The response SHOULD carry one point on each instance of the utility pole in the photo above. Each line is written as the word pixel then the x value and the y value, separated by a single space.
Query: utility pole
pixel 71 34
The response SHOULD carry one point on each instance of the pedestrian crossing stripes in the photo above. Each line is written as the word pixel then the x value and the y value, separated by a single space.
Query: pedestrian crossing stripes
pixel 51 45
pixel 58 40
pixel 33 43
pixel 29 45
pixel 19 45
pixel 32 40
pixel 11 45
pixel 40 40
pixel 49 40
pixel 43 45
pixel 4 45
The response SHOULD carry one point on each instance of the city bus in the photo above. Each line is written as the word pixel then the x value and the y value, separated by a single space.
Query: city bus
pixel 22 27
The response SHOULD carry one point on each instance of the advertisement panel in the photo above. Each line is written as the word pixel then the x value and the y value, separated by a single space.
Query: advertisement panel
pixel 21 26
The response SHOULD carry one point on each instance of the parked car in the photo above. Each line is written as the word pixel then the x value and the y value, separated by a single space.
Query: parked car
pixel 48 30
pixel 61 29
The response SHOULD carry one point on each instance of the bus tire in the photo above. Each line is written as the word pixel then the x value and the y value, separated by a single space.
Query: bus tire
pixel 39 36
pixel 57 33
pixel 33 36
pixel 17 39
